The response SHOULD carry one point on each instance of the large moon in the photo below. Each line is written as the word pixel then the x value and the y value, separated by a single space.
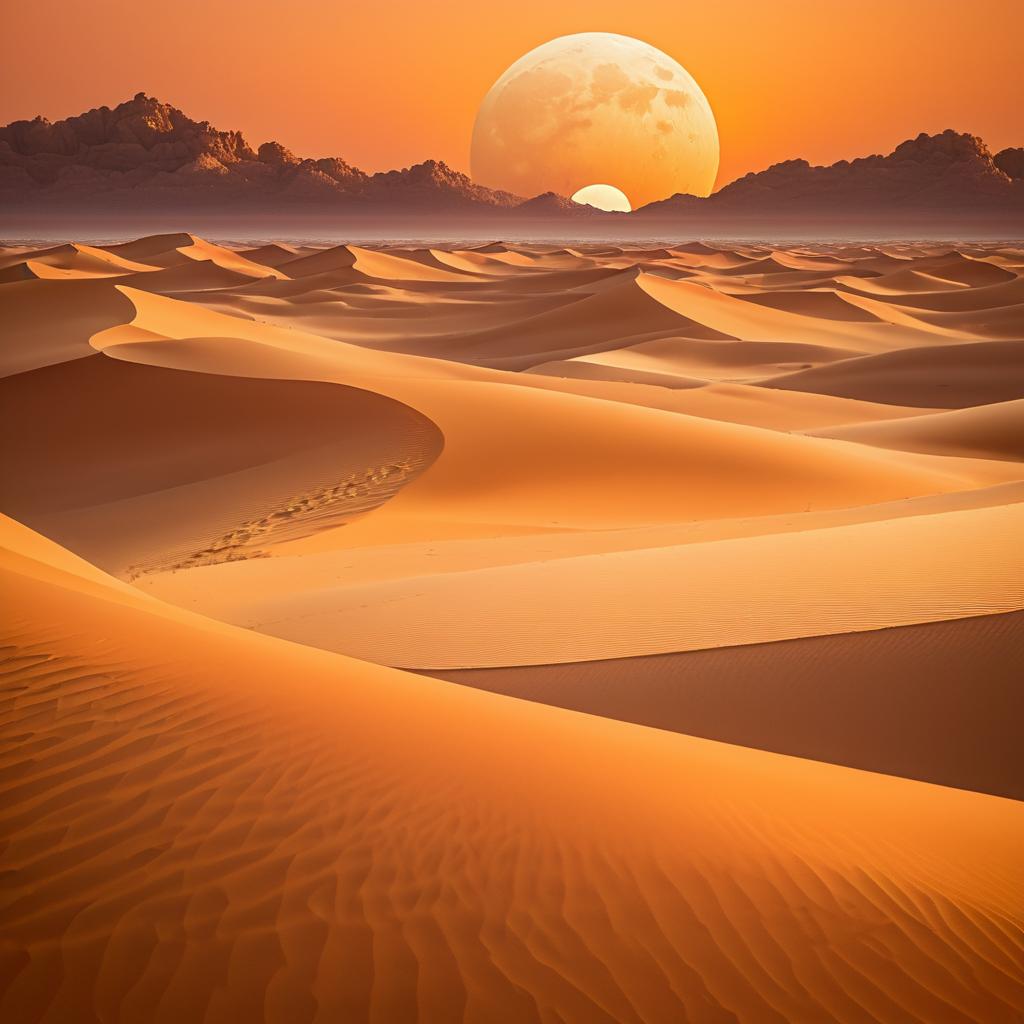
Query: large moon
pixel 596 108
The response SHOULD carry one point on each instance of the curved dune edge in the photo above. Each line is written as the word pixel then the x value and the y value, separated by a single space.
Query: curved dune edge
pixel 73 261
pixel 952 376
pixel 939 702
pixel 987 431
pixel 48 322
pixel 748 322
pixel 571 462
pixel 221 841
pixel 617 604
pixel 185 250
pixel 142 468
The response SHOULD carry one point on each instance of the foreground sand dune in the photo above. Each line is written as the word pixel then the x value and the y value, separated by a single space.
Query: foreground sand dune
pixel 465 856
pixel 733 532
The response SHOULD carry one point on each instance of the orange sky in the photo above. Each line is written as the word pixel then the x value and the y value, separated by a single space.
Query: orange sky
pixel 388 84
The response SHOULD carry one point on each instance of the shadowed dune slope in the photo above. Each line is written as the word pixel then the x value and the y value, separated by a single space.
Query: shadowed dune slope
pixel 70 262
pixel 939 701
pixel 207 824
pixel 986 431
pixel 601 319
pixel 47 322
pixel 571 461
pixel 747 321
pixel 697 360
pixel 941 377
pixel 136 466
pixel 272 254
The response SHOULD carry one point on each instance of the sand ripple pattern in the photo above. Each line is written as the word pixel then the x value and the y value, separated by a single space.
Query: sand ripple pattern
pixel 300 838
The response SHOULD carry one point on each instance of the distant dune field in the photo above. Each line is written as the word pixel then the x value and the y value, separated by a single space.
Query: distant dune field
pixel 722 543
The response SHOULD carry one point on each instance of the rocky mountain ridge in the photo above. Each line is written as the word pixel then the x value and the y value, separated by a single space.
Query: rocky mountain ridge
pixel 148 157
pixel 149 147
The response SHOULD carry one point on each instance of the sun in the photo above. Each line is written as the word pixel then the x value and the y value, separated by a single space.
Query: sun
pixel 596 107
pixel 603 197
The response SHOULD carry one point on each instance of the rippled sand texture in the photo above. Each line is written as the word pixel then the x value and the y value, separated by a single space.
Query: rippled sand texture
pixel 723 543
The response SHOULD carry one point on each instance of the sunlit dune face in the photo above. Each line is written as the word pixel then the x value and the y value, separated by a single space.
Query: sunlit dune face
pixel 603 197
pixel 596 107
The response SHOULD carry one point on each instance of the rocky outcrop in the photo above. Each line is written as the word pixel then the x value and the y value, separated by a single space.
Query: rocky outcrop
pixel 276 155
pixel 1011 162
pixel 434 181
pixel 145 151
pixel 938 172
pixel 552 204
pixel 138 139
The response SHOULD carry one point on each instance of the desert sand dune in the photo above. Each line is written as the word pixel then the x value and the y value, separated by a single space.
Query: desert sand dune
pixel 966 271
pixel 436 855
pixel 369 264
pixel 747 322
pixel 992 296
pixel 33 336
pixel 363 560
pixel 984 431
pixel 384 316
pixel 156 250
pixel 742 494
pixel 584 368
pixel 658 600
pixel 719 260
pixel 478 262
pixel 73 261
pixel 706 397
pixel 99 456
pixel 941 376
pixel 202 275
pixel 808 261
pixel 479 322
pixel 617 311
pixel 271 255
pixel 747 404
pixel 937 702
pixel 900 282
pixel 389 267
pixel 11 253
pixel 828 305
pixel 350 555
pixel 338 257
pixel 179 250
pixel 567 451
pixel 755 283
pixel 717 359
pixel 995 322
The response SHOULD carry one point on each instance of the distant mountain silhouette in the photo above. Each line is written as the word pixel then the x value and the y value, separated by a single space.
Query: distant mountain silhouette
pixel 147 162
pixel 150 148
pixel 931 172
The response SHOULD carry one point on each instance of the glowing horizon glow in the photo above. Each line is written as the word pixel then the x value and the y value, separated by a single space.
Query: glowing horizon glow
pixel 603 197
pixel 597 107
